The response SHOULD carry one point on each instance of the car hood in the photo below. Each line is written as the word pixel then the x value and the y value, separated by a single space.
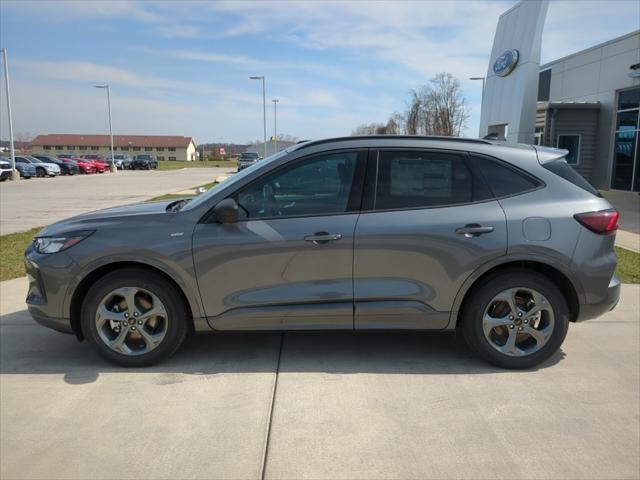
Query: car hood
pixel 106 217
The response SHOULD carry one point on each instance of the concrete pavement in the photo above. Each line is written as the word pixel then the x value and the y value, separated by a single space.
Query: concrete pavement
pixel 368 405
pixel 40 201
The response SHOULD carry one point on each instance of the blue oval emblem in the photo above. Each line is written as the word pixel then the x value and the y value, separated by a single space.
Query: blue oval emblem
pixel 506 62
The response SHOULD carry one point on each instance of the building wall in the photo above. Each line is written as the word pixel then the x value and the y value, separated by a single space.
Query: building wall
pixel 180 154
pixel 595 75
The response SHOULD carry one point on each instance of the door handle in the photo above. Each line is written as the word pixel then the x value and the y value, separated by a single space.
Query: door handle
pixel 320 238
pixel 473 230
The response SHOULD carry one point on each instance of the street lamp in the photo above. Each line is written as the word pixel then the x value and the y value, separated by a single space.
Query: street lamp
pixel 264 111
pixel 479 78
pixel 112 167
pixel 275 123
pixel 14 173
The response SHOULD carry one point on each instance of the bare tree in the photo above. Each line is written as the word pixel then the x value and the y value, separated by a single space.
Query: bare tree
pixel 369 129
pixel 446 106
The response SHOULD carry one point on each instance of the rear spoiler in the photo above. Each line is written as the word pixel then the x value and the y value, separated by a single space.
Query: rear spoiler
pixel 549 154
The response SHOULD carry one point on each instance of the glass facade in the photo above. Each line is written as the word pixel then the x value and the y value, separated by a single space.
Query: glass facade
pixel 626 157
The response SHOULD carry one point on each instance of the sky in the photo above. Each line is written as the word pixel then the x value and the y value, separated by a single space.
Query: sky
pixel 182 68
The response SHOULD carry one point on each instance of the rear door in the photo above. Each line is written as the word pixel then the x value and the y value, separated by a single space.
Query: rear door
pixel 288 263
pixel 427 223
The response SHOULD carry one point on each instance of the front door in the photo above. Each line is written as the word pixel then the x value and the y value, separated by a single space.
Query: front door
pixel 430 223
pixel 288 263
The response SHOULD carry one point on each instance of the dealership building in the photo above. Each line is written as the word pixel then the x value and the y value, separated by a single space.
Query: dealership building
pixel 587 102
pixel 164 147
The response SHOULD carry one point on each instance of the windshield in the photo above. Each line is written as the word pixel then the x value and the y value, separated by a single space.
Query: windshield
pixel 235 178
pixel 34 160
pixel 249 155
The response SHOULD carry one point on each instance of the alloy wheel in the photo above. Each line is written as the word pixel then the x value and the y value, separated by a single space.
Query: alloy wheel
pixel 131 321
pixel 518 321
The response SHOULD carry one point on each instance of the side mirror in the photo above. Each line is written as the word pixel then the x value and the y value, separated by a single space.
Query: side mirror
pixel 226 211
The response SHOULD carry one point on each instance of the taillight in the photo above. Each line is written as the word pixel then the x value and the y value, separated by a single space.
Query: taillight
pixel 604 221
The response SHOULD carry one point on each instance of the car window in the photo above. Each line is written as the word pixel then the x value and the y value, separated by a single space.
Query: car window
pixel 561 168
pixel 317 186
pixel 420 179
pixel 502 179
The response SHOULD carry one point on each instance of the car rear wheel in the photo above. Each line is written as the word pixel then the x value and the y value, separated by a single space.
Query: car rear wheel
pixel 40 172
pixel 515 320
pixel 134 317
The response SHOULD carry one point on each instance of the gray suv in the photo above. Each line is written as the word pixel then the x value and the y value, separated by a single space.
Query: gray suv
pixel 506 244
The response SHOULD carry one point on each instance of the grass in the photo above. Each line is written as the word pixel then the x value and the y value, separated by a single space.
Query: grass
pixel 628 269
pixel 175 165
pixel 12 247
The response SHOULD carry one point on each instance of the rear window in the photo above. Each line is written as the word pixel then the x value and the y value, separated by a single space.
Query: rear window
pixel 503 179
pixel 561 168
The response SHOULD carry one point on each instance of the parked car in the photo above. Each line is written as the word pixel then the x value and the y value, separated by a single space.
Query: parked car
pixel 144 162
pixel 25 167
pixel 99 165
pixel 83 165
pixel 247 159
pixel 66 168
pixel 123 162
pixel 5 170
pixel 505 244
pixel 42 169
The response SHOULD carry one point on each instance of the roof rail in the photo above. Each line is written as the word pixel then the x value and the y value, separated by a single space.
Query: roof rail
pixel 390 137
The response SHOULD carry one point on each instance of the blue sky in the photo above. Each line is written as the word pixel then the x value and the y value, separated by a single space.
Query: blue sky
pixel 182 67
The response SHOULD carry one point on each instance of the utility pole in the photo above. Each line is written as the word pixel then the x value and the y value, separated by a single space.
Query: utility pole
pixel 264 111
pixel 112 167
pixel 275 124
pixel 15 175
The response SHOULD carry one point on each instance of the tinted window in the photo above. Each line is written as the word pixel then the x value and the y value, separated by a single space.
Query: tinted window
pixel 544 85
pixel 561 168
pixel 317 186
pixel 571 143
pixel 502 179
pixel 414 179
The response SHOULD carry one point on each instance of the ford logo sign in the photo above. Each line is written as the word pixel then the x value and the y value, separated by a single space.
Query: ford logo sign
pixel 506 62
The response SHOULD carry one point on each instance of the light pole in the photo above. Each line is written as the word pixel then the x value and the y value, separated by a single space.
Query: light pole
pixel 112 167
pixel 14 173
pixel 275 124
pixel 264 111
pixel 479 78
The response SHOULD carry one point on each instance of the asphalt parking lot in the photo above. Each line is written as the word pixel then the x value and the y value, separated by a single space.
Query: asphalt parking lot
pixel 40 201
pixel 319 405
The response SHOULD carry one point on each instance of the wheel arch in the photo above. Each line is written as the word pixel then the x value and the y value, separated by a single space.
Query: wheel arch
pixel 81 289
pixel 559 277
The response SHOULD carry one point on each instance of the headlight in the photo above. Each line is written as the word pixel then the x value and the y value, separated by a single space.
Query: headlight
pixel 59 243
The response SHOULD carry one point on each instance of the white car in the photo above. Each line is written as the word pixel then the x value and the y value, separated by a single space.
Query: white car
pixel 5 170
pixel 42 169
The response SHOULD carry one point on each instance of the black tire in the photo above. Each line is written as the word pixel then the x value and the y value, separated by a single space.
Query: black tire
pixel 475 305
pixel 177 326
pixel 40 172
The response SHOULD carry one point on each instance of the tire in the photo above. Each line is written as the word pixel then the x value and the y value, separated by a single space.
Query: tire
pixel 482 298
pixel 40 172
pixel 175 325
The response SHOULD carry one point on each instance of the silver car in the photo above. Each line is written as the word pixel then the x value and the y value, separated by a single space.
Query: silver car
pixel 505 244
pixel 246 159
pixel 43 169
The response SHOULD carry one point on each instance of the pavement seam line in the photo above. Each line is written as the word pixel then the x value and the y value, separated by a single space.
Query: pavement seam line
pixel 265 451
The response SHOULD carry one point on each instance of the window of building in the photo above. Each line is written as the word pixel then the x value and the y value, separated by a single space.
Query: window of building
pixel 95 149
pixel 59 147
pixel 124 149
pixel 160 149
pixel 420 179
pixel 82 147
pixel 626 164
pixel 544 85
pixel 136 149
pixel 317 186
pixel 148 149
pixel 502 179
pixel 172 149
pixel 71 147
pixel 172 158
pixel 160 157
pixel 47 147
pixel 571 143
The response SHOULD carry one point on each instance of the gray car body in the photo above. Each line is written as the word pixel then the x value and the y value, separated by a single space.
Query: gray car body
pixel 391 270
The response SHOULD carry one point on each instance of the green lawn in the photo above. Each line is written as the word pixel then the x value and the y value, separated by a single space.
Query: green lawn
pixel 628 265
pixel 175 165
pixel 12 247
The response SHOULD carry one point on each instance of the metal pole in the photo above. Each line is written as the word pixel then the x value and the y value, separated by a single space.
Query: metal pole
pixel 275 124
pixel 113 160
pixel 264 116
pixel 14 174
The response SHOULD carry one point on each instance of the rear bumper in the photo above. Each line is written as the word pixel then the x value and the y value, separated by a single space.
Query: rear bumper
pixel 606 304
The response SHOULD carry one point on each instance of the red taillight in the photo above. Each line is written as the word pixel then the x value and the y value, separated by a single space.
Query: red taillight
pixel 604 221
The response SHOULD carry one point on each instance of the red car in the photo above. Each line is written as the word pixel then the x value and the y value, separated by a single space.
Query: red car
pixel 98 161
pixel 83 165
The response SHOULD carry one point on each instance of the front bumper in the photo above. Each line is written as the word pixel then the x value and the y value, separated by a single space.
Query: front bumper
pixel 604 305
pixel 4 174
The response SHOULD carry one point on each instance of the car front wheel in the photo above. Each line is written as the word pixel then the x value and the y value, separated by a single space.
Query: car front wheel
pixel 134 317
pixel 515 320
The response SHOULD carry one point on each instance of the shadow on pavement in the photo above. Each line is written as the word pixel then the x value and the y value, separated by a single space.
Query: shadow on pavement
pixel 28 348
